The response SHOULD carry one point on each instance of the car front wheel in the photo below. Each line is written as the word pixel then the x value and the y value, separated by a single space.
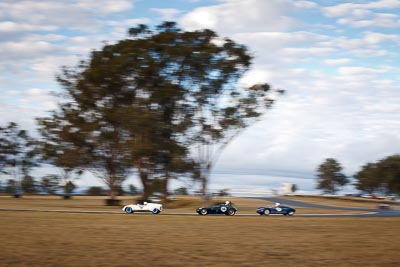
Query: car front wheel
pixel 128 210
pixel 156 211
pixel 230 212
pixel 290 213
pixel 203 211
pixel 266 212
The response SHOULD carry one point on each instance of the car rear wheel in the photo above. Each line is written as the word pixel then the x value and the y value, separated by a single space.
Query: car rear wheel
pixel 290 213
pixel 266 212
pixel 203 212
pixel 128 210
pixel 231 212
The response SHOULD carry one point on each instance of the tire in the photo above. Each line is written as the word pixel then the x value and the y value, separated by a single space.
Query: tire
pixel 203 212
pixel 267 212
pixel 156 211
pixel 230 212
pixel 290 213
pixel 128 210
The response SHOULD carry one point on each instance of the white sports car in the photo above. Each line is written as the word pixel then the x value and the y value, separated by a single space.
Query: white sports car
pixel 145 207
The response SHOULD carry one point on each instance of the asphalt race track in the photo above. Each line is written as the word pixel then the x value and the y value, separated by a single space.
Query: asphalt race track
pixel 367 212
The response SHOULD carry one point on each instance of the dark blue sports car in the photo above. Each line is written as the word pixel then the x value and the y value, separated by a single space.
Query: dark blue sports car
pixel 277 209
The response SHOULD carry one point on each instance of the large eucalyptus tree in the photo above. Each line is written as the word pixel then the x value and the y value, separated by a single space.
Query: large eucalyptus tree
pixel 163 101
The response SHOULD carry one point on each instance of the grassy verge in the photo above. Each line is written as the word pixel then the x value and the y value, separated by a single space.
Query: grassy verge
pixel 42 239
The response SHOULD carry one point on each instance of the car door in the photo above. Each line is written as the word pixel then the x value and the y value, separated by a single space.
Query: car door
pixel 218 209
pixel 276 210
pixel 212 209
pixel 281 209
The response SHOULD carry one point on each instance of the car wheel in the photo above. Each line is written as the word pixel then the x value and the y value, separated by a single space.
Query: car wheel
pixel 128 210
pixel 266 212
pixel 290 213
pixel 203 212
pixel 155 211
pixel 230 212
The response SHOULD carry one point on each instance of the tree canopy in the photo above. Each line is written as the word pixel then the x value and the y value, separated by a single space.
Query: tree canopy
pixel 330 177
pixel 382 176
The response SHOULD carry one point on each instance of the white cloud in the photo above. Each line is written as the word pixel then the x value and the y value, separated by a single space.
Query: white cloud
pixel 361 71
pixel 167 14
pixel 23 106
pixel 304 4
pixel 377 20
pixel 104 6
pixel 22 49
pixel 310 51
pixel 253 15
pixel 359 9
pixel 337 61
pixel 10 26
pixel 82 15
pixel 365 14
pixel 376 38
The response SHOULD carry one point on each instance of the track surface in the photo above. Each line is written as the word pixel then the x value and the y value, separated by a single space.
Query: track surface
pixel 368 212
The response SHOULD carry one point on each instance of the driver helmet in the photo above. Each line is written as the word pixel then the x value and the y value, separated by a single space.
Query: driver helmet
pixel 227 202
pixel 277 204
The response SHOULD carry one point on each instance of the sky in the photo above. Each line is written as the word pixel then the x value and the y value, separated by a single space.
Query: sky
pixel 338 62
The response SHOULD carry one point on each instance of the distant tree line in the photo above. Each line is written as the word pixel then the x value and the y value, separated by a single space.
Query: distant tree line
pixel 381 177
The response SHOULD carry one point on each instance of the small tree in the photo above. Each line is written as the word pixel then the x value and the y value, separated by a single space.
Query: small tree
pixel 95 191
pixel 369 179
pixel 294 188
pixel 330 176
pixel 57 148
pixel 381 176
pixel 11 187
pixel 28 184
pixel 390 171
pixel 18 153
pixel 133 190
pixel 50 184
pixel 181 191
pixel 223 192
pixel 69 187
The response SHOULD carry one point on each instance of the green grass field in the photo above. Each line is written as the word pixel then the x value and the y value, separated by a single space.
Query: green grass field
pixel 60 239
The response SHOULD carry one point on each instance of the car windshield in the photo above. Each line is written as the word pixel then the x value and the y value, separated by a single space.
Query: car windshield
pixel 223 204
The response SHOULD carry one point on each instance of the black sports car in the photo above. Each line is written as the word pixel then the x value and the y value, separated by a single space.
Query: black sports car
pixel 226 208
pixel 277 209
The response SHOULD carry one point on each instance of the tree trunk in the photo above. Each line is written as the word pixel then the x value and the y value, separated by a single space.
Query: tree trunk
pixel 144 178
pixel 112 192
pixel 112 201
pixel 204 182
pixel 65 180
pixel 165 188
